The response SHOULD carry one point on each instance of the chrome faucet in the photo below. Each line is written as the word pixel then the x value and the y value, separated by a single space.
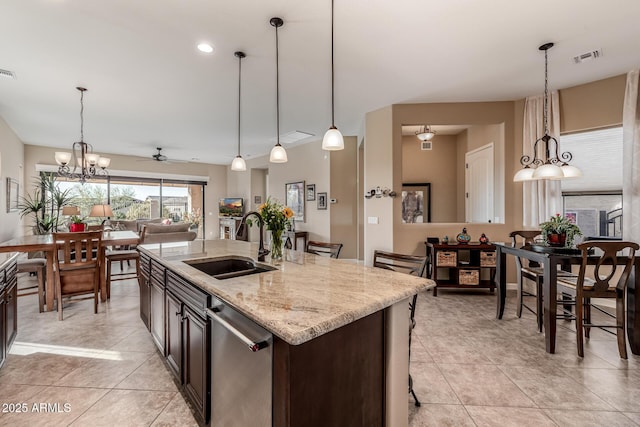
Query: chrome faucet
pixel 242 233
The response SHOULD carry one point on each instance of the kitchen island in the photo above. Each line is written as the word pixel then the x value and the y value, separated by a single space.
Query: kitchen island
pixel 336 345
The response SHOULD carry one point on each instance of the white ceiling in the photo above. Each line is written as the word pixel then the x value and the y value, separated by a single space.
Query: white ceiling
pixel 149 86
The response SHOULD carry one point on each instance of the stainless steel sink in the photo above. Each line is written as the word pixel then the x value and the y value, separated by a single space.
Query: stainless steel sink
pixel 228 266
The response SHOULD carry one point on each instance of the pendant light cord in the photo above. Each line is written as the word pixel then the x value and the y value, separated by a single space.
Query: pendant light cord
pixel 239 97
pixel 546 95
pixel 277 92
pixel 81 116
pixel 333 124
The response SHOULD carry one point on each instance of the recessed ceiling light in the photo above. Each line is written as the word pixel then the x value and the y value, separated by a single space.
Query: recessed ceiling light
pixel 205 47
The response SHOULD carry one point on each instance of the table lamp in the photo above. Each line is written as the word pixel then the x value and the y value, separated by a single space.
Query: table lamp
pixel 102 211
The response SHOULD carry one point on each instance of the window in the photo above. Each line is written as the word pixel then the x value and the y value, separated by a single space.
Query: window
pixel 595 199
pixel 141 198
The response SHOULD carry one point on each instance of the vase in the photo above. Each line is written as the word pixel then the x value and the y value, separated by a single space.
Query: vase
pixel 276 245
pixel 557 240
pixel 76 227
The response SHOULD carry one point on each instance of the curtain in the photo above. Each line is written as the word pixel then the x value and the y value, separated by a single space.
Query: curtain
pixel 631 162
pixel 542 198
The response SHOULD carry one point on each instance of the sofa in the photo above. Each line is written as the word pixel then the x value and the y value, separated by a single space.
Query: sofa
pixel 134 224
pixel 161 233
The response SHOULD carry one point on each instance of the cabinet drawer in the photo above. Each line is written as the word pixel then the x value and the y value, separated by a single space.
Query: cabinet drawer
pixel 145 264
pixel 157 271
pixel 487 259
pixel 446 259
pixel 188 292
pixel 468 277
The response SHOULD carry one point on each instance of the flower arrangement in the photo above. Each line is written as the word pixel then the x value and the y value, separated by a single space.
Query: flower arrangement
pixel 560 225
pixel 275 216
pixel 194 217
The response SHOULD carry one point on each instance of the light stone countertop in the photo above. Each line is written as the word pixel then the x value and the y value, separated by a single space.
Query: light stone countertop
pixel 307 296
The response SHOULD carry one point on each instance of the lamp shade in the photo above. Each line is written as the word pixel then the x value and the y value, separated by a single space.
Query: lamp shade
pixel 571 171
pixel 525 174
pixel 425 136
pixel 333 140
pixel 62 158
pixel 278 154
pixel 104 162
pixel 101 211
pixel 548 171
pixel 238 164
pixel 70 210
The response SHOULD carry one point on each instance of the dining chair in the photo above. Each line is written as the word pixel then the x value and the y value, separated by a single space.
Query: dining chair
pixel 77 275
pixel 531 271
pixel 409 264
pixel 37 266
pixel 600 283
pixel 332 250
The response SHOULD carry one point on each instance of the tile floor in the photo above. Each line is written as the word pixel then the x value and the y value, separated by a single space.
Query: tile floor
pixel 469 369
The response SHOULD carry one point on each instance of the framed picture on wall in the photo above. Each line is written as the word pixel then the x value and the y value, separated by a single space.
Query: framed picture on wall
pixel 311 192
pixel 416 203
pixel 294 193
pixel 13 189
pixel 322 201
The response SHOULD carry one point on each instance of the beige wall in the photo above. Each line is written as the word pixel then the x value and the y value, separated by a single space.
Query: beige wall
pixel 344 188
pixel 379 170
pixel 214 190
pixel 11 166
pixel 592 105
pixel 409 238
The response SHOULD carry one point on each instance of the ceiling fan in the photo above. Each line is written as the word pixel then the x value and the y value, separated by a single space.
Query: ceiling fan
pixel 159 157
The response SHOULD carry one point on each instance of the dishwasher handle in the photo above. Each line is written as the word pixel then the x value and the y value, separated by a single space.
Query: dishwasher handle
pixel 253 346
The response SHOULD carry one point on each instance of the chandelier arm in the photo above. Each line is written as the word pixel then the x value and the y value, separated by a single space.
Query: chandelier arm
pixel 566 157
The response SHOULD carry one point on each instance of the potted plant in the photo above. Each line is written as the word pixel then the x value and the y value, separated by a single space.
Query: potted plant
pixel 560 231
pixel 76 224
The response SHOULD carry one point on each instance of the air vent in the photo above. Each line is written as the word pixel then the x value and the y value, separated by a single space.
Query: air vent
pixel 293 136
pixel 8 74
pixel 426 145
pixel 594 54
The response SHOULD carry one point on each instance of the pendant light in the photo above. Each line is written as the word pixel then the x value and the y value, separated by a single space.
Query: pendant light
pixel 278 153
pixel 333 139
pixel 238 163
pixel 553 165
pixel 425 133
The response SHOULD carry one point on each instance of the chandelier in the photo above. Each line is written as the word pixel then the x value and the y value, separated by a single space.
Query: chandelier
pixel 553 165
pixel 86 164
pixel 425 133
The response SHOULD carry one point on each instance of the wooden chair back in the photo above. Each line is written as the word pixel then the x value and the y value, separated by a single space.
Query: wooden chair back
pixel 331 250
pixel 521 238
pixel 77 265
pixel 95 227
pixel 612 256
pixel 410 264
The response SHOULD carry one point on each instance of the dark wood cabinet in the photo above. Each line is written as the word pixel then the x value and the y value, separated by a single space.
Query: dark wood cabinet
pixel 174 335
pixel 466 266
pixel 145 290
pixel 157 305
pixel 188 341
pixel 195 333
pixel 8 306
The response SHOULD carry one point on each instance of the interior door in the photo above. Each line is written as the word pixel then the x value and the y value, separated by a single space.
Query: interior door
pixel 479 184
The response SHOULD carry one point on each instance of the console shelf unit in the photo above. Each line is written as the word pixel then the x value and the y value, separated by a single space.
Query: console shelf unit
pixel 473 264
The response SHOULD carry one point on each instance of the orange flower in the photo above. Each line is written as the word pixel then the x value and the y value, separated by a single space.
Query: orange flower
pixel 261 207
pixel 288 212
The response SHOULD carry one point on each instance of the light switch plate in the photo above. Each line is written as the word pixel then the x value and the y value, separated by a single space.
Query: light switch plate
pixel 373 220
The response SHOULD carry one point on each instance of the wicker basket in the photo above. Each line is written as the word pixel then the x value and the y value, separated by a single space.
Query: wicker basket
pixel 447 259
pixel 487 259
pixel 468 277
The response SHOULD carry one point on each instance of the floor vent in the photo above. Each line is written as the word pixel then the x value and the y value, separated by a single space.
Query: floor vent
pixel 594 54
pixel 8 74
pixel 426 145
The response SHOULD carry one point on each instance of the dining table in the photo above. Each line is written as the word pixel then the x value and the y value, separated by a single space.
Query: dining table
pixel 45 243
pixel 550 259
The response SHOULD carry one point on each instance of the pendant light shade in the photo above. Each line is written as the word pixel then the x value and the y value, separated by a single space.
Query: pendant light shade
pixel 333 139
pixel 278 153
pixel 238 163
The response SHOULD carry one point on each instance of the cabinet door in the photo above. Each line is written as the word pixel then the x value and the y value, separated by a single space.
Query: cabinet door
pixel 196 360
pixel 174 335
pixel 157 310
pixel 11 314
pixel 3 345
pixel 145 301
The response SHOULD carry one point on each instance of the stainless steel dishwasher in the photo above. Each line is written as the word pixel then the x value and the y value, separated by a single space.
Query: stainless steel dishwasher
pixel 241 369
